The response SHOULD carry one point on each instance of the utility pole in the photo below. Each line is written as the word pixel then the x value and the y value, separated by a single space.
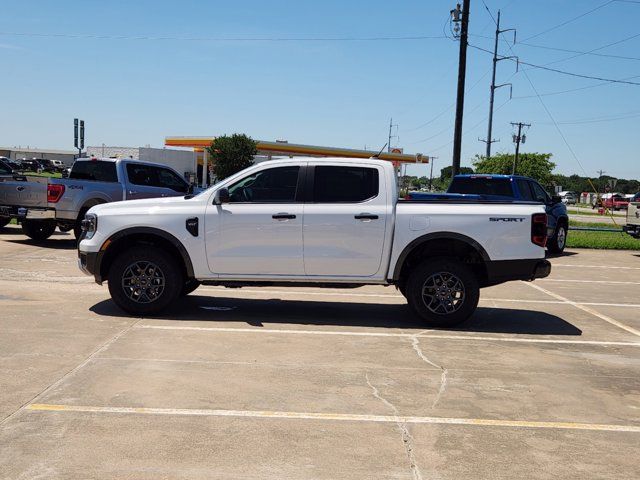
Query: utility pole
pixel 494 87
pixel 431 160
pixel 391 125
pixel 517 138
pixel 463 18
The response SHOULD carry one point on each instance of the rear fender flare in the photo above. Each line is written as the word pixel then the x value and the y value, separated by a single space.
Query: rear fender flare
pixel 417 242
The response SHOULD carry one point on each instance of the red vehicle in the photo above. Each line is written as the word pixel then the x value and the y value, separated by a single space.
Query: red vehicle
pixel 614 202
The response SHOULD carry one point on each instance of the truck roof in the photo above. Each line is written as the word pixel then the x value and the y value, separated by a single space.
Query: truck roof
pixel 490 175
pixel 372 161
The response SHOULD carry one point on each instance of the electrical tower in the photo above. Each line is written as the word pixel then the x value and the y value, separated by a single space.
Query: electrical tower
pixel 494 87
pixel 391 125
pixel 517 139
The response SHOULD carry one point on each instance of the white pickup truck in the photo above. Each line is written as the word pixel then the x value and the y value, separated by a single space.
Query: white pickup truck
pixel 331 222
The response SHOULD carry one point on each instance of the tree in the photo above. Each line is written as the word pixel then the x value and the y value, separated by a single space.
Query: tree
pixel 534 165
pixel 445 173
pixel 230 154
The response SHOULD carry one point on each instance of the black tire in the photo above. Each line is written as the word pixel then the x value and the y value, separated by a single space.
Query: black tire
pixel 77 227
pixel 451 305
pixel 154 268
pixel 189 286
pixel 4 221
pixel 65 227
pixel 38 229
pixel 557 243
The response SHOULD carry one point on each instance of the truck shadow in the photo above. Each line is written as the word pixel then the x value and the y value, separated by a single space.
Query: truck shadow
pixel 258 312
pixel 56 241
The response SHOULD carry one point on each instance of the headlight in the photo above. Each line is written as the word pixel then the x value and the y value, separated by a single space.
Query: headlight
pixel 89 225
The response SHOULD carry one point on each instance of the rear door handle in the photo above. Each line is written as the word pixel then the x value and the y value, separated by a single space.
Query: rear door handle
pixel 366 216
pixel 283 216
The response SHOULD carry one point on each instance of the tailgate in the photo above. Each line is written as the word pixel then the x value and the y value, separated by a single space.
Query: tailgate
pixel 23 194
pixel 633 214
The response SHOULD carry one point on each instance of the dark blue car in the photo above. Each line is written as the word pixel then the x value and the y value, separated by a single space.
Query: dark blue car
pixel 515 187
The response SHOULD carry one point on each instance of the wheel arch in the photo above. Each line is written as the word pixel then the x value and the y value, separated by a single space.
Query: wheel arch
pixel 128 237
pixel 442 244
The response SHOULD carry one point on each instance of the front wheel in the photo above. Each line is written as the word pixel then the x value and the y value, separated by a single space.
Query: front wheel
pixel 38 229
pixel 144 280
pixel 189 286
pixel 443 292
pixel 559 240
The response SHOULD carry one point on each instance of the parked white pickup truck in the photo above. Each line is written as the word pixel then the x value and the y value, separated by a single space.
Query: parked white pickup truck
pixel 313 222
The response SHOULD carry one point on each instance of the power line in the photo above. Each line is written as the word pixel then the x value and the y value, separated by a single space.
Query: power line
pixel 595 49
pixel 548 94
pixel 225 39
pixel 568 50
pixel 449 108
pixel 566 22
pixel 564 72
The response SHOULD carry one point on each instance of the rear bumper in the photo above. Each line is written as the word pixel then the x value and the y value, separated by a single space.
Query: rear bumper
pixel 507 270
pixel 633 230
pixel 27 213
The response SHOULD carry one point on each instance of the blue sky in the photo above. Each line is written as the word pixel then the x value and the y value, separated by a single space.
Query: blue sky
pixel 134 92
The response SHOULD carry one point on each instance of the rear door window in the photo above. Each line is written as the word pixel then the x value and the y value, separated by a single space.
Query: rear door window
pixel 539 193
pixel 333 184
pixel 525 190
pixel 496 186
pixel 94 170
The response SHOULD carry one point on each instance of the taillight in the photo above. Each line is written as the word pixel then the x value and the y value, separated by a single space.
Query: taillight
pixel 54 193
pixel 539 229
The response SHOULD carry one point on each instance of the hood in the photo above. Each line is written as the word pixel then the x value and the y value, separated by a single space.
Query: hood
pixel 146 204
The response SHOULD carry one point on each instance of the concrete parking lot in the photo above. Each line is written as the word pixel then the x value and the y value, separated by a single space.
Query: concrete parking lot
pixel 543 382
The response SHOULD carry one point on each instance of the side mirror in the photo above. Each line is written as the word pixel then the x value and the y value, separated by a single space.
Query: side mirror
pixel 556 199
pixel 221 196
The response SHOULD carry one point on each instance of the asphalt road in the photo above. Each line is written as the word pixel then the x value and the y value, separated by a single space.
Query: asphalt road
pixel 274 383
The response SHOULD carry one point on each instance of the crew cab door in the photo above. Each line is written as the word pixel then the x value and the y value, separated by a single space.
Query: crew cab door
pixel 259 231
pixel 345 219
pixel 151 181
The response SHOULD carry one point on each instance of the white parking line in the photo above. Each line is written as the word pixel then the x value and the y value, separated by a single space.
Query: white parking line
pixel 426 335
pixel 588 310
pixel 612 282
pixel 341 417
pixel 558 302
pixel 607 267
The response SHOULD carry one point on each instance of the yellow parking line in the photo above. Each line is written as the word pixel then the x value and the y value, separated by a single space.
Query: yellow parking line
pixel 345 417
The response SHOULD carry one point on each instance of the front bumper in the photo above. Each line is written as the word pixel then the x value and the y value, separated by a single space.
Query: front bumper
pixel 89 263
pixel 501 271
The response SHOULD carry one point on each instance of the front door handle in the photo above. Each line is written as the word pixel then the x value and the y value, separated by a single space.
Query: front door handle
pixel 283 216
pixel 366 216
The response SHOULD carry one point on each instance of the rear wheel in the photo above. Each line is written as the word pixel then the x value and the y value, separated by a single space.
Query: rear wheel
pixel 4 221
pixel 38 229
pixel 144 280
pixel 557 243
pixel 443 292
